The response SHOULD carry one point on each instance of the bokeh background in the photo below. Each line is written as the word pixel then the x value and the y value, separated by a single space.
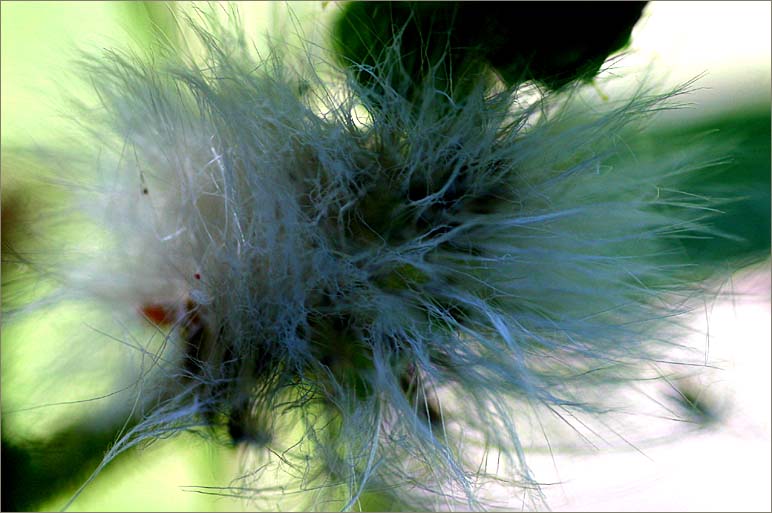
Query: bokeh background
pixel 723 463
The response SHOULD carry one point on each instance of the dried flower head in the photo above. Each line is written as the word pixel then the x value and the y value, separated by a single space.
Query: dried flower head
pixel 375 292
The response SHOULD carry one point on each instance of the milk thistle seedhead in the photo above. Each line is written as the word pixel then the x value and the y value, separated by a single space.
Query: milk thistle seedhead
pixel 375 290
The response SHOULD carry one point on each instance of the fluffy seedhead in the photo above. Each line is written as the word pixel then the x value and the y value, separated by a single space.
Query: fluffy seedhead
pixel 375 294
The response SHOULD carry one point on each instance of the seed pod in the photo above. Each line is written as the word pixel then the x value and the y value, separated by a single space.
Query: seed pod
pixel 448 43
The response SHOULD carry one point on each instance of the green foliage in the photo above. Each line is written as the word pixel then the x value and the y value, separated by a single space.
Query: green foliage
pixel 742 183
pixel 36 470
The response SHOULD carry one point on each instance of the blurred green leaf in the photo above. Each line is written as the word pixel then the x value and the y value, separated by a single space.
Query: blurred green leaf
pixel 36 470
pixel 744 182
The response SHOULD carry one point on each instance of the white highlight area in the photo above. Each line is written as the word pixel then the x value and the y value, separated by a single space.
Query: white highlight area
pixel 721 468
pixel 726 42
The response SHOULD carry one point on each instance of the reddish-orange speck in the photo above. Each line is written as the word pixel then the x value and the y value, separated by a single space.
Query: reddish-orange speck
pixel 158 314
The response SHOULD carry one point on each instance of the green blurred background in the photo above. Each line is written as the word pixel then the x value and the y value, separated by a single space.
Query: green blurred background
pixel 48 452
